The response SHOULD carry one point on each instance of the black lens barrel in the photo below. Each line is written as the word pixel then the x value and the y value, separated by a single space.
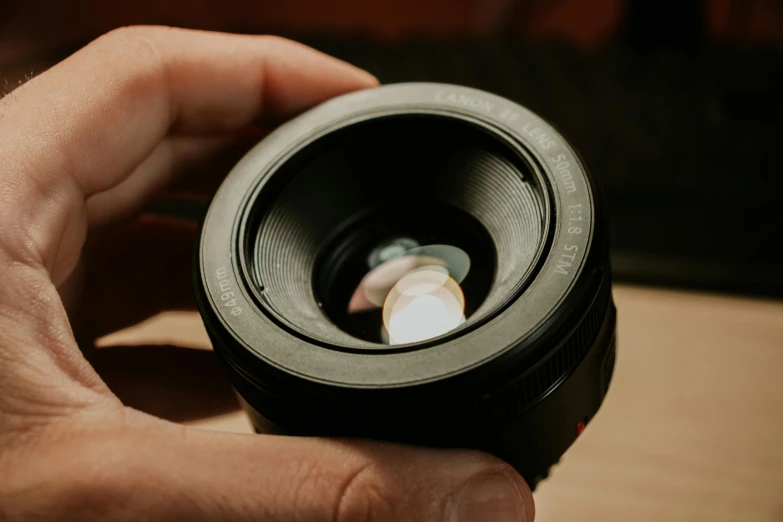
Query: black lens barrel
pixel 521 379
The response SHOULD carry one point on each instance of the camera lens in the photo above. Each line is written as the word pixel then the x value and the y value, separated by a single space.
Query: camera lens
pixel 422 263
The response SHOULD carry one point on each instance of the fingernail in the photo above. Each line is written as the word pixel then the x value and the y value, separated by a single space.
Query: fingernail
pixel 490 498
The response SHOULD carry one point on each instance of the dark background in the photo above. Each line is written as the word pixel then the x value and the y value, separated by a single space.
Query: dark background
pixel 677 106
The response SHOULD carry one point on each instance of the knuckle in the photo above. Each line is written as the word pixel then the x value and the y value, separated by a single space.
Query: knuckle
pixel 134 45
pixel 367 495
pixel 137 61
pixel 121 36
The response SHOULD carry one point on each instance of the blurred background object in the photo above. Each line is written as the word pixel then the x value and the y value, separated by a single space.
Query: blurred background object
pixel 676 106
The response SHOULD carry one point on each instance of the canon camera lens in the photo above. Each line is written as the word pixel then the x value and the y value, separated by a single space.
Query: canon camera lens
pixel 420 263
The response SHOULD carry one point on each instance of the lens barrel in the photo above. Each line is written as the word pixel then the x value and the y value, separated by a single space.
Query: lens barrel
pixel 325 226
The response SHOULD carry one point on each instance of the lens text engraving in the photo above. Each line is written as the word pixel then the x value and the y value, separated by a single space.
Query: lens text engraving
pixel 226 294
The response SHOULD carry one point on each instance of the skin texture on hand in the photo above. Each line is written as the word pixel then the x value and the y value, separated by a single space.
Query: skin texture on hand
pixel 83 149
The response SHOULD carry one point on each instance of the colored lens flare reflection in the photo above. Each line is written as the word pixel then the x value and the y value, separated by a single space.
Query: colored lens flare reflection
pixel 418 291
pixel 424 304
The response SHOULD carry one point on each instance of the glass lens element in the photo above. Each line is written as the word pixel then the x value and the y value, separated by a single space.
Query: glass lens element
pixel 424 304
pixel 418 290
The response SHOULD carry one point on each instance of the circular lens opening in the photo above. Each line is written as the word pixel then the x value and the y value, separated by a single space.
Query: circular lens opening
pixel 352 213
pixel 404 277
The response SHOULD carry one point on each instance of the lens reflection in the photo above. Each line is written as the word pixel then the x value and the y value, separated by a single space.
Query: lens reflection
pixel 424 304
pixel 418 290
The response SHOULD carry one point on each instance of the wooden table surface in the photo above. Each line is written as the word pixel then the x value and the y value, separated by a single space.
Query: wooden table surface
pixel 692 427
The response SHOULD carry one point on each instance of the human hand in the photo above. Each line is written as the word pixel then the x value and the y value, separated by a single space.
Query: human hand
pixel 83 148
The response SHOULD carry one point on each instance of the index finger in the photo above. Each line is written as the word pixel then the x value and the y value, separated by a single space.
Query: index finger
pixel 83 126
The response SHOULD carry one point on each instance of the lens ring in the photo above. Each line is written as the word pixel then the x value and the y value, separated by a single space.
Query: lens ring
pixel 221 273
pixel 495 189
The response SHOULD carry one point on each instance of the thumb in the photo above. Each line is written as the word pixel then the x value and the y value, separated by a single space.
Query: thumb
pixel 289 478
pixel 176 473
